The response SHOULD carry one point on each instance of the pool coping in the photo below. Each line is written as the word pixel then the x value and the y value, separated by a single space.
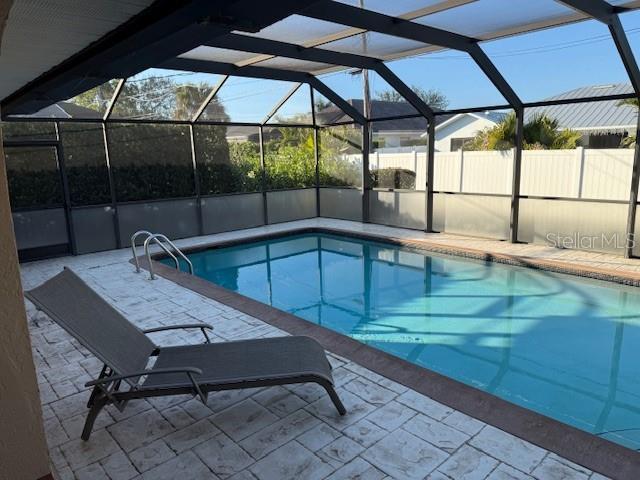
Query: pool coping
pixel 597 454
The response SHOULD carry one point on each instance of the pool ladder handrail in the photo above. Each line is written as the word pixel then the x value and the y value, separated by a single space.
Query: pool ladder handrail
pixel 134 237
pixel 158 239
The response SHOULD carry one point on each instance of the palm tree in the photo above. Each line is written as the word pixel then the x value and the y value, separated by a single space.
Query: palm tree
pixel 540 133
pixel 630 141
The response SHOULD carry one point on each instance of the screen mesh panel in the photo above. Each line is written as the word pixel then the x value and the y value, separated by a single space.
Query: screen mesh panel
pixel 164 94
pixel 297 108
pixel 373 44
pixel 216 54
pixel 300 30
pixel 550 62
pixel 285 63
pixel 245 100
pixel 488 18
pixel 328 112
pixel 454 80
pixel 385 100
pixel 393 8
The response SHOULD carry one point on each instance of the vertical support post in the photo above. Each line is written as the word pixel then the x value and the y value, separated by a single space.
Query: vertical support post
pixel 66 195
pixel 580 155
pixel 112 188
pixel 263 179
pixel 196 180
pixel 366 187
pixel 316 148
pixel 633 197
pixel 461 179
pixel 317 155
pixel 515 185
pixel 428 194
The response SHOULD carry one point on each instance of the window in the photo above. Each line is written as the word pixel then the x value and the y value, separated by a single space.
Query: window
pixel 458 143
pixel 24 131
pixel 164 94
pixel 85 163
pixel 150 161
pixel 289 157
pixel 340 155
pixel 33 175
pixel 398 157
pixel 228 159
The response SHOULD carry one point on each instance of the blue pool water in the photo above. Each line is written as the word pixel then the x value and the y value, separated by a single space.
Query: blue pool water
pixel 563 346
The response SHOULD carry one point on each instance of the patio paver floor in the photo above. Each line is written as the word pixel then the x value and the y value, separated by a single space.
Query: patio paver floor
pixel 276 433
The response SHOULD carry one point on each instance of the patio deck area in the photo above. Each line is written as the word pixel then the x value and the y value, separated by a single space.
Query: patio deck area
pixel 268 433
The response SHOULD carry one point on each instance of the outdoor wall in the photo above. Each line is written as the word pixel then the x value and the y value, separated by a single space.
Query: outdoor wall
pixel 289 205
pixel 398 209
pixel 23 449
pixel 232 212
pixel 342 203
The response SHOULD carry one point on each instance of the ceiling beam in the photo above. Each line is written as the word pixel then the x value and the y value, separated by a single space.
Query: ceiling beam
pixel 166 29
pixel 274 48
pixel 336 12
pixel 221 68
pixel 598 9
pixel 283 49
pixel 331 11
pixel 607 14
pixel 350 31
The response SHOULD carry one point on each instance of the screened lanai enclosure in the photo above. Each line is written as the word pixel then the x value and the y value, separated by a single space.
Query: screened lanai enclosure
pixel 504 119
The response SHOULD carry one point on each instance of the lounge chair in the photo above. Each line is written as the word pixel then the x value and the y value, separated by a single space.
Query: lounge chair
pixel 126 353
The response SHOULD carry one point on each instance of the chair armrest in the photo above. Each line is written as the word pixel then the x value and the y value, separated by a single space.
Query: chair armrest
pixel 115 378
pixel 202 326
pixel 189 371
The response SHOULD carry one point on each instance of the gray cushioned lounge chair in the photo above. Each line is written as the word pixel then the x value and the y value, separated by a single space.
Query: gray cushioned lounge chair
pixel 126 352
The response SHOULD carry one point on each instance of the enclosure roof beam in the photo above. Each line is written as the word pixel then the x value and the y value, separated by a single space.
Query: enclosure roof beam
pixel 222 68
pixel 336 12
pixel 165 29
pixel 598 9
pixel 246 43
pixel 331 11
pixel 283 49
pixel 280 103
pixel 607 14
pixel 206 66
pixel 214 91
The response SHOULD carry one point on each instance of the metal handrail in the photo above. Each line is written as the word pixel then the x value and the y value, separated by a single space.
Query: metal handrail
pixel 133 246
pixel 164 249
pixel 158 238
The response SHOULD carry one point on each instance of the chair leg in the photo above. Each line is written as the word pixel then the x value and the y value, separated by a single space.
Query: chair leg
pixel 97 404
pixel 334 397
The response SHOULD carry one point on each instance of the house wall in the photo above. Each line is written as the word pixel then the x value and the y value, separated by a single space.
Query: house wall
pixel 23 449
pixel 464 127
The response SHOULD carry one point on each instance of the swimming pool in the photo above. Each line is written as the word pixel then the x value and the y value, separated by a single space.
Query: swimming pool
pixel 563 346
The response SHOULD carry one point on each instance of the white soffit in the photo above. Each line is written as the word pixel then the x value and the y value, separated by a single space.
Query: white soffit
pixel 41 34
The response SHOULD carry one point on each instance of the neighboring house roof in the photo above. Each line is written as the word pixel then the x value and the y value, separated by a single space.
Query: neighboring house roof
pixel 446 120
pixel 65 110
pixel 379 109
pixel 382 108
pixel 607 114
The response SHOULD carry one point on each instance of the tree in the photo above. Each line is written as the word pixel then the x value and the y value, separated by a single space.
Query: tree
pixel 630 141
pixel 540 133
pixel 432 97
pixel 97 98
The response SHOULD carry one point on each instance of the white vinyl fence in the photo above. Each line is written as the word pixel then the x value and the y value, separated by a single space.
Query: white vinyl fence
pixel 601 175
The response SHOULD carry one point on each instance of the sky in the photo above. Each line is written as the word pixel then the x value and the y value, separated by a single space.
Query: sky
pixel 537 65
